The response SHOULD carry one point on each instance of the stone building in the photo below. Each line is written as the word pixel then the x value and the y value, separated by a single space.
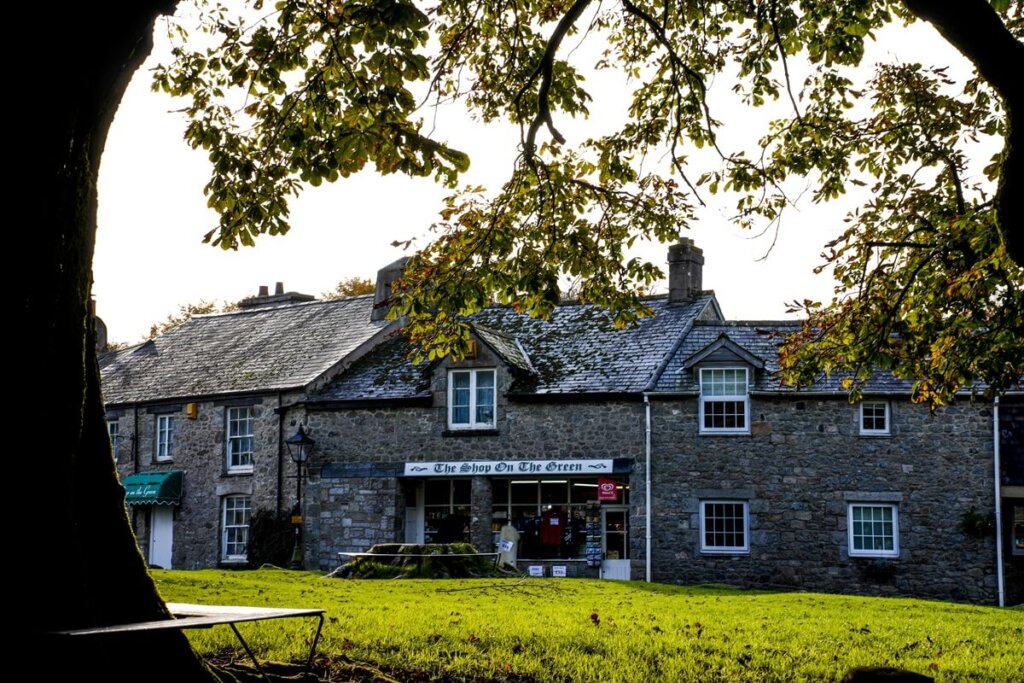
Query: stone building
pixel 666 451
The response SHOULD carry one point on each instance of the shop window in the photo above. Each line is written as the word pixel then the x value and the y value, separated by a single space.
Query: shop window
pixel 724 526
pixel 874 418
pixel 1018 529
pixel 723 400
pixel 446 510
pixel 471 399
pixel 873 530
pixel 549 514
pixel 237 510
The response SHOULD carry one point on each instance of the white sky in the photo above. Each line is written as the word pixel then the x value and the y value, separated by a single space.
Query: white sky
pixel 152 215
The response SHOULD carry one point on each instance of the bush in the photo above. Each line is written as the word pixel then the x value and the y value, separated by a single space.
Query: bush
pixel 271 538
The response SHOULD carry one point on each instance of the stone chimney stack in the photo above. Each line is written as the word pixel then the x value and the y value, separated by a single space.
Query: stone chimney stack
pixel 685 271
pixel 382 297
pixel 278 298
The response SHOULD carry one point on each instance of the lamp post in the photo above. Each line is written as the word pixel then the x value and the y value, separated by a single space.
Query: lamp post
pixel 299 446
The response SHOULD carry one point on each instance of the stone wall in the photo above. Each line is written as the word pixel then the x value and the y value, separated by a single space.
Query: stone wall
pixel 394 435
pixel 799 469
pixel 199 450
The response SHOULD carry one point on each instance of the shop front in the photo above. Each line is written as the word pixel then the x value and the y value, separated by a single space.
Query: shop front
pixel 555 517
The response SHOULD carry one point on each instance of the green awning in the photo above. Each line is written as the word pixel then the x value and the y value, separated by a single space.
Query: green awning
pixel 153 488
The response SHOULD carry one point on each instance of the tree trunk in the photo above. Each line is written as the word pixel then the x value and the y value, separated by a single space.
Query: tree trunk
pixel 80 559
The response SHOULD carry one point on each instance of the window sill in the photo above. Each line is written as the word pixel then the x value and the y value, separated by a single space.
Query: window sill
pixel 875 435
pixel 238 471
pixel 469 432
pixel 237 563
pixel 723 433
pixel 725 553
pixel 873 556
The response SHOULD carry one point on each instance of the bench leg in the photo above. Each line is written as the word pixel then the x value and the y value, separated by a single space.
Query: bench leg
pixel 312 647
pixel 248 651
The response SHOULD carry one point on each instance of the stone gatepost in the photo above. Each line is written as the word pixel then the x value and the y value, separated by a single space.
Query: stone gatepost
pixel 481 501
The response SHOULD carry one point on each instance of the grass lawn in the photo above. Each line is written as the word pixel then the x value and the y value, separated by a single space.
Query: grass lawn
pixel 586 630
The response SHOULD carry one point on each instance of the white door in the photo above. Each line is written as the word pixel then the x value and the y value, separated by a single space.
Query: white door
pixel 414 516
pixel 161 535
pixel 615 542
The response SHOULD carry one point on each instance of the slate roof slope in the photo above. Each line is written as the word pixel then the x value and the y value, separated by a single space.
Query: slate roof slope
pixel 261 349
pixel 762 339
pixel 577 350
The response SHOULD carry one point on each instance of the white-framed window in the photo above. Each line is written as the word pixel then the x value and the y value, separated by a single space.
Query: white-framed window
pixel 237 511
pixel 164 437
pixel 874 418
pixel 240 441
pixel 723 400
pixel 114 430
pixel 724 526
pixel 874 530
pixel 471 399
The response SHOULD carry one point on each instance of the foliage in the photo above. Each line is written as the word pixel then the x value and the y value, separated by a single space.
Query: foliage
pixel 979 524
pixel 350 286
pixel 929 278
pixel 420 561
pixel 543 629
pixel 271 538
pixel 187 312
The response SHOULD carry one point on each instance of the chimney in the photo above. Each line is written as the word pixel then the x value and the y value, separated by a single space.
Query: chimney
pixel 278 298
pixel 382 297
pixel 685 271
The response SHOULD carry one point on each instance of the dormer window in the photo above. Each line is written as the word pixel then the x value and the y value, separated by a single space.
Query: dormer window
pixel 471 399
pixel 723 401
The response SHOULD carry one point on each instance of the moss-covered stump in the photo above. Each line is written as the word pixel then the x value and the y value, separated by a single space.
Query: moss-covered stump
pixel 420 561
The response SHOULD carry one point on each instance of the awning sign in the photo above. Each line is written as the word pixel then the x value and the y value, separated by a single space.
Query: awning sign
pixel 471 468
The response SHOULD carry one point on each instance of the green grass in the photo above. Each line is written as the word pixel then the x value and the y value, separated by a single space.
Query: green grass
pixel 585 630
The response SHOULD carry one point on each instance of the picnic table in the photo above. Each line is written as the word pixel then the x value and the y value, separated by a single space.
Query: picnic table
pixel 187 616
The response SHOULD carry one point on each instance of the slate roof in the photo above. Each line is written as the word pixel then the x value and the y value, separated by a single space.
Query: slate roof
pixel 762 339
pixel 254 350
pixel 577 350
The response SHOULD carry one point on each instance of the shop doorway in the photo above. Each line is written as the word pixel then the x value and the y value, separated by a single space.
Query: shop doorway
pixel 161 535
pixel 615 542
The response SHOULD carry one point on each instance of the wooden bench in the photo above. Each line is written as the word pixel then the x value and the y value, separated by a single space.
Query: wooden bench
pixel 188 616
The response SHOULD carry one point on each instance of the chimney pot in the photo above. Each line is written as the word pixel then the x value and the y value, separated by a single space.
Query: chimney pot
pixel 279 288
pixel 685 271
pixel 264 291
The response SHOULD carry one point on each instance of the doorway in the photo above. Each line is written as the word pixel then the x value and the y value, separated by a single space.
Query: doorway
pixel 161 535
pixel 615 542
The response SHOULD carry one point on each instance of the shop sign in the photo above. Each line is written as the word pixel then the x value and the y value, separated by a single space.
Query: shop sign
pixel 558 570
pixel 470 468
pixel 607 490
pixel 536 570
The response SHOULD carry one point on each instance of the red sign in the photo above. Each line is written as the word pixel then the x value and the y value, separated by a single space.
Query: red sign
pixel 607 490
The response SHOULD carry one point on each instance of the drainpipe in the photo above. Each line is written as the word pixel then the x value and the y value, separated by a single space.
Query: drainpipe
pixel 647 487
pixel 997 467
pixel 280 451
pixel 135 438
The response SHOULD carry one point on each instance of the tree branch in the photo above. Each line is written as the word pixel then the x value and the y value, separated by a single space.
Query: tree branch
pixel 978 32
pixel 546 72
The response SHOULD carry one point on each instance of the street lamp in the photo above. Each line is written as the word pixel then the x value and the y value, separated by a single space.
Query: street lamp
pixel 299 446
